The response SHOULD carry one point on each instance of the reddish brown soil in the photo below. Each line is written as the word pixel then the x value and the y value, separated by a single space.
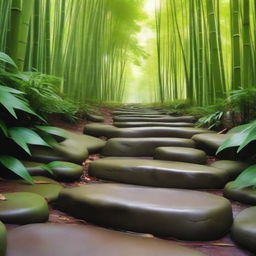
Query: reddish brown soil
pixel 221 247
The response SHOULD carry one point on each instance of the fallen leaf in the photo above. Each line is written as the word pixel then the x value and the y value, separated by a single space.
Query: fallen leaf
pixel 2 197
pixel 42 182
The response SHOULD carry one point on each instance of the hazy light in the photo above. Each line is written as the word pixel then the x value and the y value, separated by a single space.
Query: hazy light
pixel 150 6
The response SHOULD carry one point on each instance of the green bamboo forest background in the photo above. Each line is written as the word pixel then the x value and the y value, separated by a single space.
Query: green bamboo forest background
pixel 198 50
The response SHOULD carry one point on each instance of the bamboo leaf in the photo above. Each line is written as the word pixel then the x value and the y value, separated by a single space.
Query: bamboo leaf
pixel 16 166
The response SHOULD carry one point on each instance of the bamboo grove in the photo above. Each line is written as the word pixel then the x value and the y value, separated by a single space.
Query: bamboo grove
pixel 205 48
pixel 202 48
pixel 87 43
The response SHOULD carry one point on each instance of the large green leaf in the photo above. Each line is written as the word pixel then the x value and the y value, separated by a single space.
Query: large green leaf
pixel 6 59
pixel 243 135
pixel 11 102
pixel 10 89
pixel 250 137
pixel 246 179
pixel 3 128
pixel 53 130
pixel 24 136
pixel 16 166
pixel 234 141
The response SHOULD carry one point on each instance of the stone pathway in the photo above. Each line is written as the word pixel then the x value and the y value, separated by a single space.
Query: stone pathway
pixel 150 206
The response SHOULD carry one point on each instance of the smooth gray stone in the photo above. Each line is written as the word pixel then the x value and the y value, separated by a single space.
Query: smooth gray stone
pixel 158 173
pixel 151 124
pixel 110 131
pixel 94 117
pixel 189 119
pixel 181 154
pixel 23 208
pixel 85 240
pixel 74 149
pixel 234 168
pixel 2 239
pixel 194 216
pixel 243 230
pixel 242 195
pixel 117 113
pixel 210 142
pixel 45 187
pixel 68 172
pixel 141 146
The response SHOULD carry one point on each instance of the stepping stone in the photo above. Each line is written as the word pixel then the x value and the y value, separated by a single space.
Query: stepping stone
pixel 234 168
pixel 242 195
pixel 189 119
pixel 87 240
pixel 23 208
pixel 45 187
pixel 194 216
pixel 158 173
pixel 180 154
pixel 110 131
pixel 141 115
pixel 145 124
pixel 65 172
pixel 117 113
pixel 244 229
pixel 94 117
pixel 2 239
pixel 141 146
pixel 210 142
pixel 74 149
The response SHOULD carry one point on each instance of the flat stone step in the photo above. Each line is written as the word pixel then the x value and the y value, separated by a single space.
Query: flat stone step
pixel 158 173
pixel 45 187
pixel 141 146
pixel 23 208
pixel 66 171
pixel 117 113
pixel 86 240
pixel 94 117
pixel 2 239
pixel 244 229
pixel 110 131
pixel 181 154
pixel 210 142
pixel 189 119
pixel 146 124
pixel 242 195
pixel 74 149
pixel 234 168
pixel 194 216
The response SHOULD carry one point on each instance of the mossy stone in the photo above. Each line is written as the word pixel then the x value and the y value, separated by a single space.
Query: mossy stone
pixel 2 239
pixel 180 154
pixel 244 229
pixel 158 173
pixel 242 195
pixel 141 146
pixel 23 208
pixel 43 186
pixel 183 214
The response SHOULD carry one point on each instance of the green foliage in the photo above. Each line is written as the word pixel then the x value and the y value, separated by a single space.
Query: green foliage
pixel 246 179
pixel 244 101
pixel 212 120
pixel 43 92
pixel 243 135
pixel 13 103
